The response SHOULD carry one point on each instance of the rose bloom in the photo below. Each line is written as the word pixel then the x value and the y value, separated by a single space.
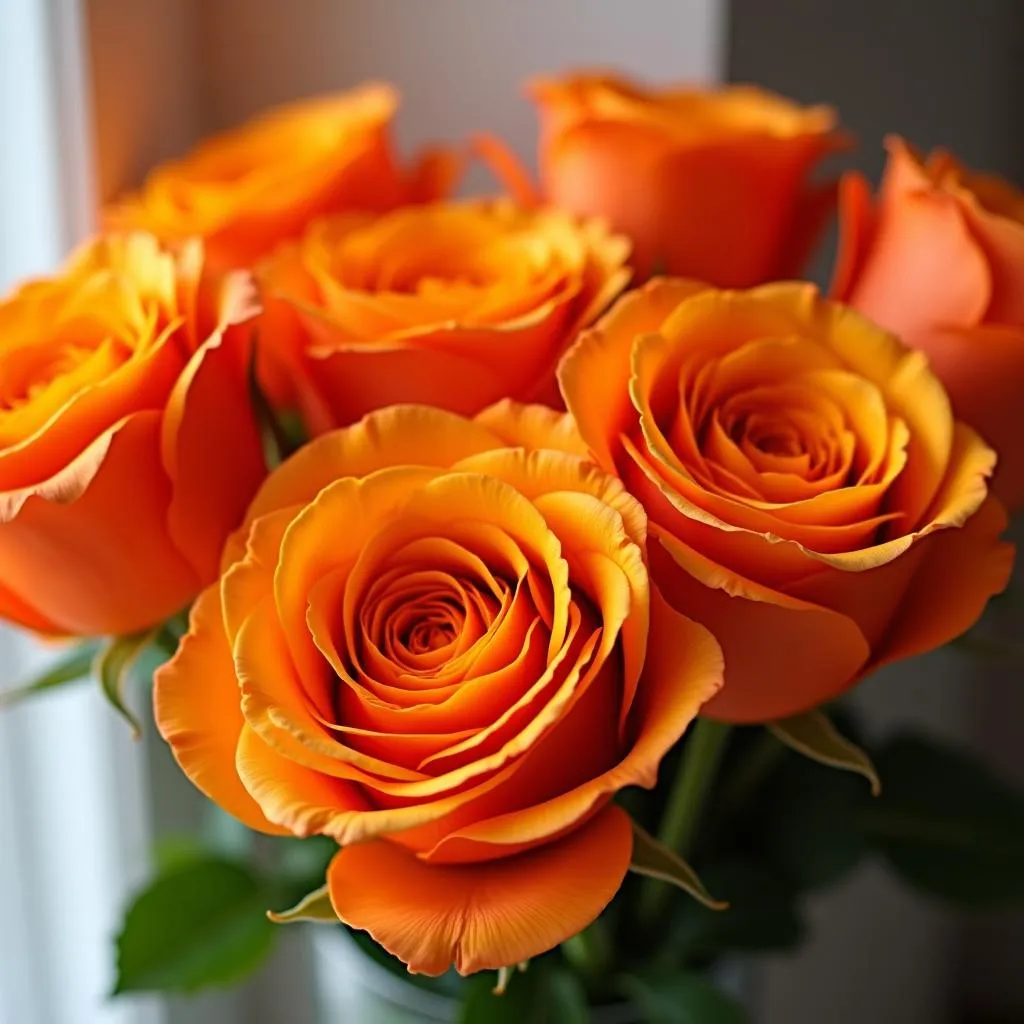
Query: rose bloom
pixel 939 259
pixel 451 304
pixel 812 500
pixel 445 654
pixel 128 451
pixel 707 183
pixel 247 189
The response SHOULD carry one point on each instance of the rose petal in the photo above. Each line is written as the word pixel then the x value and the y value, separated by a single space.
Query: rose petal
pixel 856 226
pixel 485 916
pixel 592 371
pixel 682 672
pixel 295 798
pixel 81 526
pixel 759 629
pixel 366 505
pixel 1002 240
pixel 961 569
pixel 400 436
pixel 532 427
pixel 923 265
pixel 983 370
pixel 211 446
pixel 197 707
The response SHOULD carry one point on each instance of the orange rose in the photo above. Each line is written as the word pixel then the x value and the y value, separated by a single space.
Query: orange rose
pixel 246 190
pixel 813 501
pixel 707 183
pixel 453 304
pixel 127 448
pixel 940 260
pixel 443 653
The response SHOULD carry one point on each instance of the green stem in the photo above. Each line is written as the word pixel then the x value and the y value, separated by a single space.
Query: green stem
pixel 752 769
pixel 681 820
pixel 692 784
pixel 170 633
pixel 166 641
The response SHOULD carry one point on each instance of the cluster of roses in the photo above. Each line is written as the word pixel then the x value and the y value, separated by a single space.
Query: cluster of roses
pixel 450 627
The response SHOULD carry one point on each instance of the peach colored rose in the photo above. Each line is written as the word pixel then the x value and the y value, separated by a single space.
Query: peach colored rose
pixel 444 653
pixel 708 183
pixel 247 189
pixel 811 499
pixel 939 259
pixel 128 450
pixel 450 304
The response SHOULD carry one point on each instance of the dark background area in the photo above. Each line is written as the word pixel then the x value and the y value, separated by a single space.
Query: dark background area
pixel 950 74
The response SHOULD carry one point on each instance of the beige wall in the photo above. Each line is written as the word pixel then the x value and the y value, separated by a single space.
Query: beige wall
pixel 460 64
pixel 147 85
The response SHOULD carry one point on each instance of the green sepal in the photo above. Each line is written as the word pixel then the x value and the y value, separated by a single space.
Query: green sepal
pixel 814 736
pixel 113 667
pixel 654 859
pixel 315 906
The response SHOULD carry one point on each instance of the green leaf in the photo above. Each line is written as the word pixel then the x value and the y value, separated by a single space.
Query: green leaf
pixel 546 994
pixel 316 906
pixel 814 736
pixel 762 915
pixel 566 995
pixel 947 826
pixel 113 667
pixel 175 850
pixel 655 860
pixel 75 664
pixel 681 997
pixel 202 925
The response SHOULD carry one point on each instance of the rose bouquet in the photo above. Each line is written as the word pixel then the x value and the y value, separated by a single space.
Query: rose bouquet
pixel 507 558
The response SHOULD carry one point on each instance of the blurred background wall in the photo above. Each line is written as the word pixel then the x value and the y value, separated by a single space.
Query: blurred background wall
pixel 947 72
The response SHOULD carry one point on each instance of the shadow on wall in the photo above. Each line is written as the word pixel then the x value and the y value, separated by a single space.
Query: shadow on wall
pixel 942 73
